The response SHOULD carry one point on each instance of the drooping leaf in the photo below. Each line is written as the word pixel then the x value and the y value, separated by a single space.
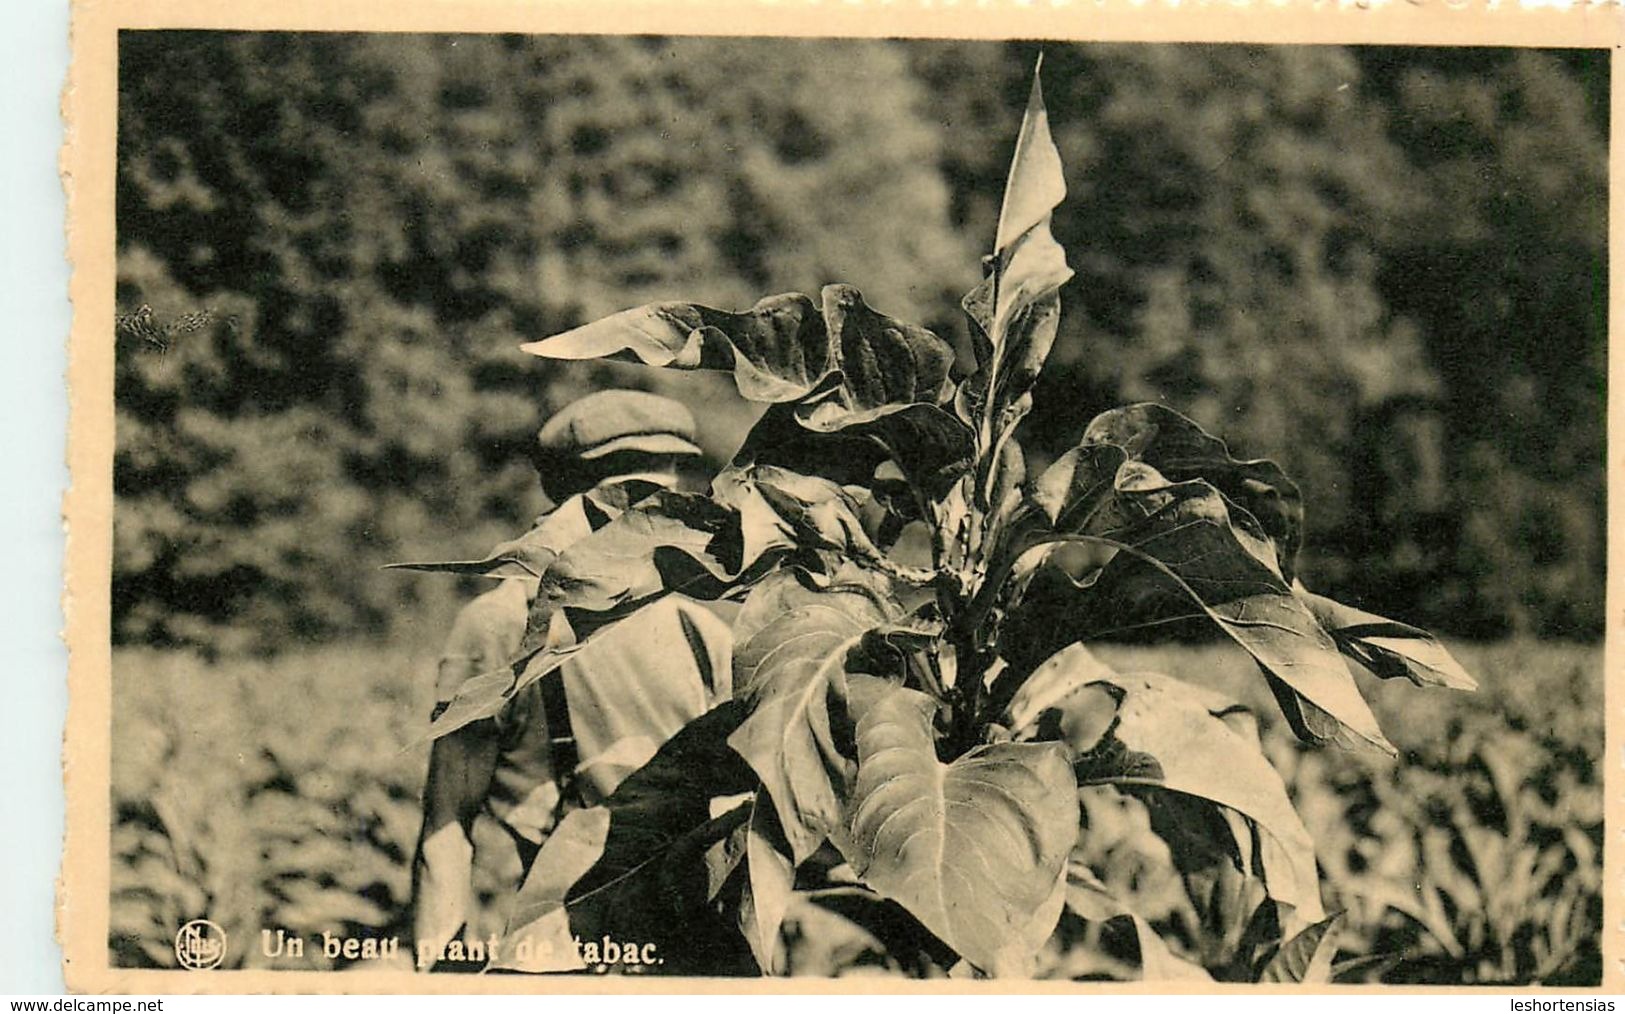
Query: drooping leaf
pixel 975 849
pixel 1181 553
pixel 929 445
pixel 633 868
pixel 790 674
pixel 1388 648
pixel 671 542
pixel 811 510
pixel 1321 726
pixel 1307 957
pixel 1167 735
pixel 529 556
pixel 778 350
pixel 884 362
pixel 1181 450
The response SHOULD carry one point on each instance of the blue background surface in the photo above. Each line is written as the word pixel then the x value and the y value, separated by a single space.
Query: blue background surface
pixel 34 413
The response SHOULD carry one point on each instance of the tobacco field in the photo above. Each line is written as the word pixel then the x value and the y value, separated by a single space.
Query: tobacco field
pixel 284 794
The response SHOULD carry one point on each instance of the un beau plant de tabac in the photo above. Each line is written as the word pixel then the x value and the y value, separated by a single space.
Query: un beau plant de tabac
pixel 909 733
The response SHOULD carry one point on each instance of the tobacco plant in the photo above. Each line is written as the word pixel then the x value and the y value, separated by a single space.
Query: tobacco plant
pixel 916 708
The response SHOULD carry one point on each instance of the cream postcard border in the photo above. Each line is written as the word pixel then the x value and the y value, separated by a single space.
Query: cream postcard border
pixel 90 110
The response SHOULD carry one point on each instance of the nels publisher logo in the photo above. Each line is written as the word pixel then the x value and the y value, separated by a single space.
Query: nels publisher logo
pixel 200 945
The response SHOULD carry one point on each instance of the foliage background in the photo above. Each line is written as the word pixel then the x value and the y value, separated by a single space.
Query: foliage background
pixel 1382 266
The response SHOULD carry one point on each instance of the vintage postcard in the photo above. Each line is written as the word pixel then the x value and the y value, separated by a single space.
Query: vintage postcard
pixel 852 498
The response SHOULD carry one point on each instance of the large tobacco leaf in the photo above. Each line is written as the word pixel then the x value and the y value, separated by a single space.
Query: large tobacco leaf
pixel 783 349
pixel 778 350
pixel 1148 732
pixel 976 848
pixel 1181 450
pixel 1182 553
pixel 884 362
pixel 791 675
pixel 634 868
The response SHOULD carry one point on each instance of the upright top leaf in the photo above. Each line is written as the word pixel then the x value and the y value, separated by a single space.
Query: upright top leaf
pixel 1017 308
pixel 1036 185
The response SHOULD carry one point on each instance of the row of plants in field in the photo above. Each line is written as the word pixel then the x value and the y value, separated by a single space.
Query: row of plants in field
pixel 261 795
pixel 228 809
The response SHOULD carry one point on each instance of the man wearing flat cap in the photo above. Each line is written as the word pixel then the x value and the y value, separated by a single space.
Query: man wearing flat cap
pixel 569 738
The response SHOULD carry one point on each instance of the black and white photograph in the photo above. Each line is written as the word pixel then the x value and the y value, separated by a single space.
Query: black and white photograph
pixel 628 506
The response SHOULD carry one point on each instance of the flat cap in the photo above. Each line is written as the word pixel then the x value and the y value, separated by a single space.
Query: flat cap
pixel 608 422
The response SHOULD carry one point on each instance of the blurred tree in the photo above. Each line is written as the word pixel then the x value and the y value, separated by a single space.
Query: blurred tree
pixel 1506 267
pixel 376 222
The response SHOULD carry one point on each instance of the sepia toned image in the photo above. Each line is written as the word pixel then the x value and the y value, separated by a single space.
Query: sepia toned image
pixel 616 509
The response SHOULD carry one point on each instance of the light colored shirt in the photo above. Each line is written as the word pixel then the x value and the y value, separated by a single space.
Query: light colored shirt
pixel 631 689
